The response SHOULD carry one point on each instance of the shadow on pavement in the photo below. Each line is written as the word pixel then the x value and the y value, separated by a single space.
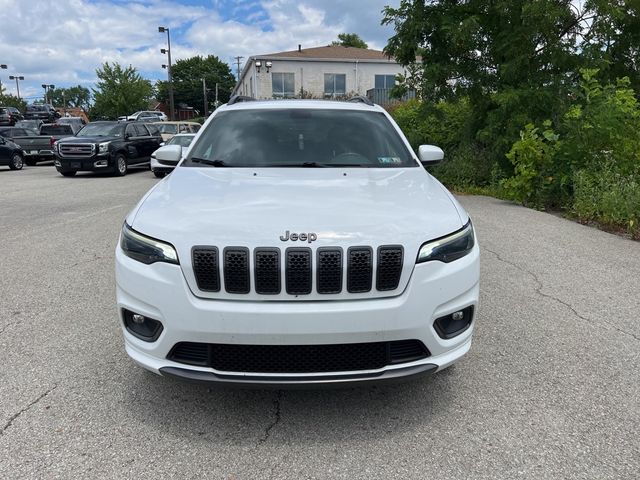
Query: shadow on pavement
pixel 245 417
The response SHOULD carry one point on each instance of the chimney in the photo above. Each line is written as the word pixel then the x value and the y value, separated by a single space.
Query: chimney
pixel 299 48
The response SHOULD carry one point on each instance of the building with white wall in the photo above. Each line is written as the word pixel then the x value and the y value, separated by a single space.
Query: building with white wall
pixel 321 72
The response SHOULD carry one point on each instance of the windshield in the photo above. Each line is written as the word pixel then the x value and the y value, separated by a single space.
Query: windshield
pixel 168 128
pixel 183 141
pixel 296 137
pixel 101 130
pixel 56 130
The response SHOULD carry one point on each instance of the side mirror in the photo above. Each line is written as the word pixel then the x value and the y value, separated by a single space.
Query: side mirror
pixel 2 140
pixel 430 155
pixel 169 154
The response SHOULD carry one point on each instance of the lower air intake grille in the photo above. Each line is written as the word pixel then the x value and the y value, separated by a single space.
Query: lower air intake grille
pixel 205 268
pixel 298 358
pixel 190 353
pixel 236 270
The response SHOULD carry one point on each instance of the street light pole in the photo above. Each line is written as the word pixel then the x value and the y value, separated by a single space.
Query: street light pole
pixel 47 88
pixel 16 78
pixel 204 93
pixel 2 67
pixel 168 52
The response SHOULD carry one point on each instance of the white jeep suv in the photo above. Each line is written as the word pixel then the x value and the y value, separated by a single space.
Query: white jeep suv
pixel 298 243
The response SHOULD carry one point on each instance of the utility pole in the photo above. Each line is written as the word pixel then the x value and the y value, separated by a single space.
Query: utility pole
pixel 204 94
pixel 238 63
pixel 2 67
pixel 217 103
pixel 168 52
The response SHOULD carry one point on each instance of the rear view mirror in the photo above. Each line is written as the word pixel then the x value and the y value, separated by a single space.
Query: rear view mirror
pixel 430 155
pixel 169 154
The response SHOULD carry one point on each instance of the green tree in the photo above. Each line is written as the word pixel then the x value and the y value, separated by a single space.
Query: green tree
pixel 516 60
pixel 187 82
pixel 350 40
pixel 7 100
pixel 77 96
pixel 119 91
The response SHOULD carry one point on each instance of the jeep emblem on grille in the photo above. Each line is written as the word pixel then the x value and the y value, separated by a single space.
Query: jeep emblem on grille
pixel 302 237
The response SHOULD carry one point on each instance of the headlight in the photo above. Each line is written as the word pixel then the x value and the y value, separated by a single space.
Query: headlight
pixel 103 147
pixel 449 248
pixel 146 249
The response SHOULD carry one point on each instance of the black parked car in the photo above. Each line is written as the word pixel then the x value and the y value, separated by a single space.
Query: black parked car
pixel 107 147
pixel 41 112
pixel 11 154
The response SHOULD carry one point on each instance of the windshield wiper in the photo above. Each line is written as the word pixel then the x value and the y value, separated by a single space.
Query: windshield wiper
pixel 206 161
pixel 316 165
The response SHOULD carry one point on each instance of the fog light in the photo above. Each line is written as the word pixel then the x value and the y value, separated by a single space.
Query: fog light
pixel 454 324
pixel 142 327
pixel 101 163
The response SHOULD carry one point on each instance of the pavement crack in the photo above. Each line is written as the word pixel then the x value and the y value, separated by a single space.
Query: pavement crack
pixel 25 409
pixel 540 286
pixel 276 418
pixel 85 262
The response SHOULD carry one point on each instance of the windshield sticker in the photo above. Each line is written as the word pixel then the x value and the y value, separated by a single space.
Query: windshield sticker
pixel 389 160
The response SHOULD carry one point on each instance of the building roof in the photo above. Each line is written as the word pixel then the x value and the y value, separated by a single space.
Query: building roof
pixel 332 52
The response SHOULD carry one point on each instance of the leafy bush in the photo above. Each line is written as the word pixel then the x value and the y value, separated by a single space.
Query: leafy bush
pixel 446 124
pixel 608 197
pixel 602 126
pixel 536 181
pixel 592 166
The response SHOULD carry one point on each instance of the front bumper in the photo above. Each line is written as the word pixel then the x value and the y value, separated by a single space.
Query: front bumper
pixel 96 163
pixel 160 291
pixel 157 166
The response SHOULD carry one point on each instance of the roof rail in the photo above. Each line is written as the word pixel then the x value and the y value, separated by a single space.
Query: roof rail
pixel 361 99
pixel 240 98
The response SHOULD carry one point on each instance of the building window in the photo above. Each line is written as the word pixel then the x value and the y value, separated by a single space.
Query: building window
pixel 385 82
pixel 335 84
pixel 283 85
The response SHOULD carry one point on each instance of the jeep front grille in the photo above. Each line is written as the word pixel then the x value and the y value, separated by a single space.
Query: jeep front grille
pixel 295 272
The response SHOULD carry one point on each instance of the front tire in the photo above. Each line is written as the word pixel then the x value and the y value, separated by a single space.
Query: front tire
pixel 159 174
pixel 121 165
pixel 16 162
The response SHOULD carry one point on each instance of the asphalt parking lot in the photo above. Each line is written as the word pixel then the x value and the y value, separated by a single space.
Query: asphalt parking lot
pixel 550 389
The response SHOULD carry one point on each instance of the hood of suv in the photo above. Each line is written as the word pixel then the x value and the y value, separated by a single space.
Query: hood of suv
pixel 73 139
pixel 244 207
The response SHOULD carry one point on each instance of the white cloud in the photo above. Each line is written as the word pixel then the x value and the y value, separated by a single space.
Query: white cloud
pixel 63 41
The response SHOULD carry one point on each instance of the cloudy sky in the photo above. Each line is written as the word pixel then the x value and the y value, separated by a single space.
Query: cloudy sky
pixel 61 42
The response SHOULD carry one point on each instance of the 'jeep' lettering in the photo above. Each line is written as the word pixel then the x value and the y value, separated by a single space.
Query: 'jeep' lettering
pixel 302 237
